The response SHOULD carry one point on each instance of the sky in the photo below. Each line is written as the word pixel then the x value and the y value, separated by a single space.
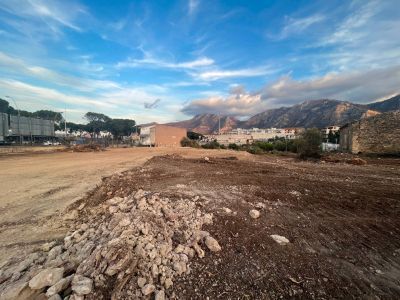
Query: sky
pixel 166 61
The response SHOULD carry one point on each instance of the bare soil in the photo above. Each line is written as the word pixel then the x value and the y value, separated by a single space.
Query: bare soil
pixel 342 222
pixel 37 186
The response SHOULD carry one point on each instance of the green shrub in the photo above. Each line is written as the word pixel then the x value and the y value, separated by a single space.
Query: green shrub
pixel 254 149
pixel 280 146
pixel 233 146
pixel 185 142
pixel 211 145
pixel 309 145
pixel 265 146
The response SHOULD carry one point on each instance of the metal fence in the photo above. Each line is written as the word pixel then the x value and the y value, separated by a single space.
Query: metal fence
pixel 31 126
pixel 3 126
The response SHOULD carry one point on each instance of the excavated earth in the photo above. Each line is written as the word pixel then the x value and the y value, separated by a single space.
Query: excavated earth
pixel 338 229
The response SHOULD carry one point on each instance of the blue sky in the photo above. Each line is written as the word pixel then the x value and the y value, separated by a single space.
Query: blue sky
pixel 168 60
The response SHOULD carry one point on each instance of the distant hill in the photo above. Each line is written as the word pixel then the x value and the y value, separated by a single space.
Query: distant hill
pixel 312 113
pixel 386 105
pixel 316 113
pixel 207 123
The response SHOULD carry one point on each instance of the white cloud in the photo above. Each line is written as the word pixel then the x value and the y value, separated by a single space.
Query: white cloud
pixel 18 66
pixel 42 16
pixel 359 87
pixel 192 6
pixel 157 63
pixel 298 25
pixel 221 74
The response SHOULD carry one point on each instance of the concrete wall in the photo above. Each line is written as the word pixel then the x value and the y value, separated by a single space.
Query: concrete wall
pixel 379 134
pixel 168 136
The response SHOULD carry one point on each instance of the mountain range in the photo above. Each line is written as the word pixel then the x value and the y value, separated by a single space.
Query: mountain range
pixel 312 113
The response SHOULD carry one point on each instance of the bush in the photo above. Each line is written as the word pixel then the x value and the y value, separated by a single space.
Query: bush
pixel 309 145
pixel 233 147
pixel 254 150
pixel 185 142
pixel 280 146
pixel 265 146
pixel 211 145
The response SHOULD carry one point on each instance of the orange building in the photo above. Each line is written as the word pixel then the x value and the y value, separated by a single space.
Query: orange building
pixel 162 135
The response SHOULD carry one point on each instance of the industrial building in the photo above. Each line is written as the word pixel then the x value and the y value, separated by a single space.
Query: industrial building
pixel 162 135
pixel 379 134
pixel 24 128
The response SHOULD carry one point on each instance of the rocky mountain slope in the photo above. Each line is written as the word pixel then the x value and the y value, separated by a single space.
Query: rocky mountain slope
pixel 207 123
pixel 313 113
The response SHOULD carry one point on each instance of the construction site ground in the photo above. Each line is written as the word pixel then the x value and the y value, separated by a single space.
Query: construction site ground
pixel 342 220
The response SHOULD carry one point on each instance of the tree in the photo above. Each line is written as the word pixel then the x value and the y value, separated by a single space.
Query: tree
pixel 309 145
pixel 194 135
pixel 96 117
pixel 120 127
pixel 4 106
pixel 49 115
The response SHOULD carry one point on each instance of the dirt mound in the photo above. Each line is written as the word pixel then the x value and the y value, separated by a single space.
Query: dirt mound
pixel 123 248
pixel 86 148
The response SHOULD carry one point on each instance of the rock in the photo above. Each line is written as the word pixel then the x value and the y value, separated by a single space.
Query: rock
pixel 82 285
pixel 47 246
pixel 113 209
pixel 260 205
pixel 180 267
pixel 19 290
pixel 54 253
pixel 125 222
pixel 141 282
pixel 59 286
pixel 71 215
pixel 55 297
pixel 206 158
pixel 212 244
pixel 47 277
pixel 115 201
pixel 281 240
pixel 199 251
pixel 160 295
pixel 227 210
pixel 148 289
pixel 254 213
pixel 168 283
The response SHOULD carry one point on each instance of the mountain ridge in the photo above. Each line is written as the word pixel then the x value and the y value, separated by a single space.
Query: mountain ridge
pixel 310 113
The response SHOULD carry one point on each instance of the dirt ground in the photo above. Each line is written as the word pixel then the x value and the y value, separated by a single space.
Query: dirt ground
pixel 342 222
pixel 34 187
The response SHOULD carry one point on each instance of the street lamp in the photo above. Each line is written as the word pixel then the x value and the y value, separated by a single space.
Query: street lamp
pixel 19 129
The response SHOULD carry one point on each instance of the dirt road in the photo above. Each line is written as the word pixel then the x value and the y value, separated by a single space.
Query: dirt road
pixel 36 186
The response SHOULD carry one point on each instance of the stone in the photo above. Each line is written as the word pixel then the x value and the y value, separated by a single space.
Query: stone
pixel 180 267
pixel 47 246
pixel 227 210
pixel 59 286
pixel 124 222
pixel 281 240
pixel 212 244
pixel 72 215
pixel 160 295
pixel 141 281
pixel 81 285
pixel 113 209
pixel 55 297
pixel 254 213
pixel 54 253
pixel 47 277
pixel 148 289
pixel 260 205
pixel 168 283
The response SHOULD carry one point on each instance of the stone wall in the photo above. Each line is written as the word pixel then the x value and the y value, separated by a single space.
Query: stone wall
pixel 379 134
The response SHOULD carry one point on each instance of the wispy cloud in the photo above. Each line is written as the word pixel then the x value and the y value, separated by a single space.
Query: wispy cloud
pixel 295 26
pixel 361 87
pixel 223 74
pixel 192 6
pixel 51 14
pixel 157 63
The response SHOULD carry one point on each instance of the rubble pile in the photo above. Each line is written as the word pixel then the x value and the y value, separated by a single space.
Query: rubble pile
pixel 124 248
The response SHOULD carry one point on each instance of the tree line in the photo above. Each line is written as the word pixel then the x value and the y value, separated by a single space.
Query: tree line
pixel 96 122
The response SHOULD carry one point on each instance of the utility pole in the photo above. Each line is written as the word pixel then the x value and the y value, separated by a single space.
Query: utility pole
pixel 19 116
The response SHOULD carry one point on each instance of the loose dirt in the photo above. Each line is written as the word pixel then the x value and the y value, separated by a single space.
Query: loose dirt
pixel 34 187
pixel 342 223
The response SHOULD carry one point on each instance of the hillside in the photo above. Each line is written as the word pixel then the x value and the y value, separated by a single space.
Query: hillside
pixel 312 113
pixel 386 105
pixel 317 113
pixel 207 123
